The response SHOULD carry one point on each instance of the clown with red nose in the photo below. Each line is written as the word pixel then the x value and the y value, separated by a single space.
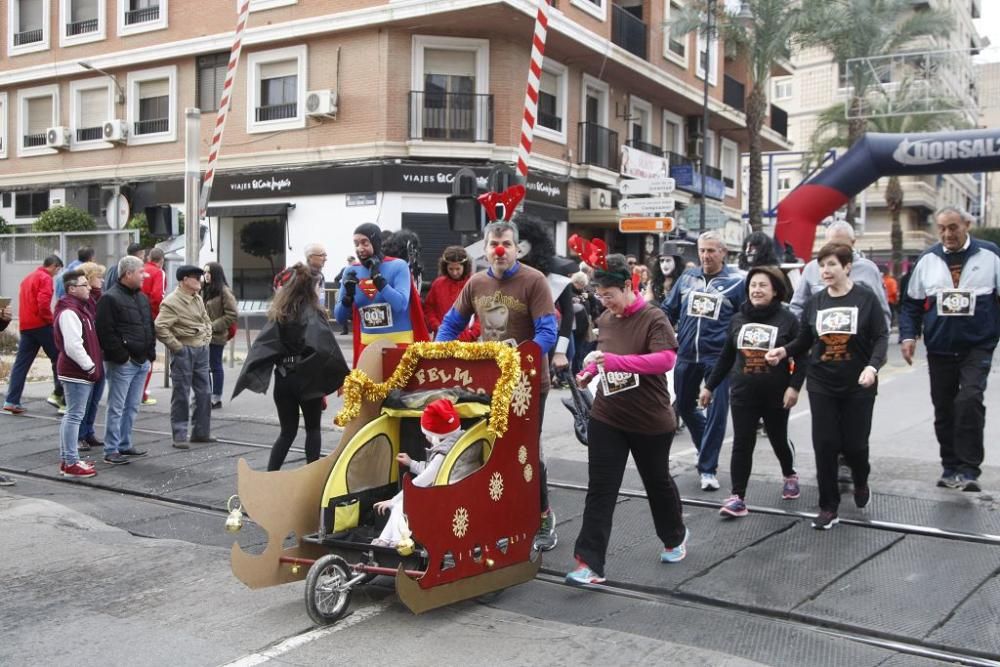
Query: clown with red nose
pixel 379 296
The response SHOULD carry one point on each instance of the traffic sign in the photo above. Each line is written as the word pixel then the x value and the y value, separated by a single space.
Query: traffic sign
pixel 646 186
pixel 645 225
pixel 647 206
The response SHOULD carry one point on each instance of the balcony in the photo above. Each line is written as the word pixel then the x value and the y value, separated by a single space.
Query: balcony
pixel 550 121
pixel 598 146
pixel 779 120
pixel 676 159
pixel 82 27
pixel 276 111
pixel 439 116
pixel 144 15
pixel 151 126
pixel 28 37
pixel 89 133
pixel 713 172
pixel 627 31
pixel 34 140
pixel 652 149
pixel 734 93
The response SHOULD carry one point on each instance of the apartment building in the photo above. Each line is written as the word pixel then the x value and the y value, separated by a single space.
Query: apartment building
pixel 818 82
pixel 990 104
pixel 351 111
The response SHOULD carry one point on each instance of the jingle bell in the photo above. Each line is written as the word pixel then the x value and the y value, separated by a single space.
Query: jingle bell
pixel 235 519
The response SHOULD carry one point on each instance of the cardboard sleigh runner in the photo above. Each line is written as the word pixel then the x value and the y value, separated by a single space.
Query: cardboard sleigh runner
pixel 469 537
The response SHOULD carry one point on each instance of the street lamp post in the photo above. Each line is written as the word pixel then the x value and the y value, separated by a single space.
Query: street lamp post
pixel 709 29
pixel 119 91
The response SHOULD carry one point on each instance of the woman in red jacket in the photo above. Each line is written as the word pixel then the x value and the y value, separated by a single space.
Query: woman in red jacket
pixel 454 269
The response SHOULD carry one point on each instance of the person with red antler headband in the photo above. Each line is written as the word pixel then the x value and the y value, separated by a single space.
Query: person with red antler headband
pixel 514 302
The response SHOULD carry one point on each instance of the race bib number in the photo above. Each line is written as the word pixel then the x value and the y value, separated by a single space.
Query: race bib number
pixel 704 304
pixel 837 321
pixel 756 337
pixel 376 316
pixel 956 303
pixel 615 382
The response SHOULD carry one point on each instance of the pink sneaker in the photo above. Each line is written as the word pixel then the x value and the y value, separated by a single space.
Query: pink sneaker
pixel 790 490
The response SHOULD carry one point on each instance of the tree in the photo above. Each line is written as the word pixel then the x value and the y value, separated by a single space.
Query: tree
pixel 912 112
pixel 264 239
pixel 865 29
pixel 763 39
pixel 64 219
pixel 987 234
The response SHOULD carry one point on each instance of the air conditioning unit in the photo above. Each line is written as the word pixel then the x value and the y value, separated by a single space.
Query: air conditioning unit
pixel 116 131
pixel 57 137
pixel 321 103
pixel 600 198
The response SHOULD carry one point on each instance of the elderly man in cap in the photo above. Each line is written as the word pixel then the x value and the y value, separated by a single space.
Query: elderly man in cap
pixel 378 293
pixel 184 326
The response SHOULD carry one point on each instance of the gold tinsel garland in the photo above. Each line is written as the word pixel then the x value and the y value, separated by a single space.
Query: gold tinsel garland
pixel 358 386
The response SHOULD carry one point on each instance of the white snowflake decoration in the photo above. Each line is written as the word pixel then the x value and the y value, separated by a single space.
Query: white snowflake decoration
pixel 460 522
pixel 521 400
pixel 529 472
pixel 496 487
pixel 522 455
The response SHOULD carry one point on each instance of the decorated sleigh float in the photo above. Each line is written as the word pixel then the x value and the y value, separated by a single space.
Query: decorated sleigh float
pixel 468 536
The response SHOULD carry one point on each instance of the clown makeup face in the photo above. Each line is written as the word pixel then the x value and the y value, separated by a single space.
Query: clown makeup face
pixel 523 248
pixel 363 247
pixel 501 252
pixel 667 265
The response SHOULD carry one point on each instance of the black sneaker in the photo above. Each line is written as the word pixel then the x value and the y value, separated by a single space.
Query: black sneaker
pixel 94 442
pixel 115 459
pixel 133 453
pixel 950 480
pixel 546 538
pixel 970 483
pixel 203 438
pixel 216 405
pixel 825 520
pixel 844 475
pixel 862 496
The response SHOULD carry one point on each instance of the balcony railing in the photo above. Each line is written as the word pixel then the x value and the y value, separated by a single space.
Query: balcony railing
pixel 733 93
pixel 438 116
pixel 277 111
pixel 627 31
pixel 34 140
pixel 598 146
pixel 713 172
pixel 89 133
pixel 676 159
pixel 779 120
pixel 82 27
pixel 144 15
pixel 28 37
pixel 550 121
pixel 652 149
pixel 151 126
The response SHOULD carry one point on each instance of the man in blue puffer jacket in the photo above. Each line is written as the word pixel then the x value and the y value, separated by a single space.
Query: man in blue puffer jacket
pixel 700 306
pixel 952 298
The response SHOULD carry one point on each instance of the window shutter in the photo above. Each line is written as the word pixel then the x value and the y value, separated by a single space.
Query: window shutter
pixel 450 63
pixel 93 107
pixel 158 88
pixel 39 115
pixel 279 69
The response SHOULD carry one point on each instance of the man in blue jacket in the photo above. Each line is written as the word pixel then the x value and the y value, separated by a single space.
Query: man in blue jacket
pixel 700 306
pixel 952 298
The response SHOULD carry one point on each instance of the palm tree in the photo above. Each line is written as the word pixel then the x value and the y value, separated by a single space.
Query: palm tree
pixel 864 29
pixel 907 111
pixel 763 36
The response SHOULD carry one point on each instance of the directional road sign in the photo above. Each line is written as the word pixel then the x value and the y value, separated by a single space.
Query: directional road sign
pixel 646 186
pixel 645 225
pixel 646 206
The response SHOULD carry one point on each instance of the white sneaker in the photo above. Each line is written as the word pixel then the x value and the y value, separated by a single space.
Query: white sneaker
pixel 709 482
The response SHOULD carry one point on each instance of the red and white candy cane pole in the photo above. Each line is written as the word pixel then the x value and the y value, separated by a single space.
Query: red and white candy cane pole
pixel 531 94
pixel 220 119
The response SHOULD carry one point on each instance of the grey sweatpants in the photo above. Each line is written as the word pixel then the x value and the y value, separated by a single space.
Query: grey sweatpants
pixel 189 372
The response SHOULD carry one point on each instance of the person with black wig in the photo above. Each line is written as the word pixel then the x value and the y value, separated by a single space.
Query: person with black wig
pixel 631 414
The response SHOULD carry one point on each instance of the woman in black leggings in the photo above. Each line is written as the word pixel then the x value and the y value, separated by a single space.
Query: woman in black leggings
pixel 759 391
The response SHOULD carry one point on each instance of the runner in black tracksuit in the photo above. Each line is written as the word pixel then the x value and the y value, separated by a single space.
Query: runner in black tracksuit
pixel 759 390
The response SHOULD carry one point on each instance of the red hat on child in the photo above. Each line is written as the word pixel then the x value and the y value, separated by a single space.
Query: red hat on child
pixel 439 419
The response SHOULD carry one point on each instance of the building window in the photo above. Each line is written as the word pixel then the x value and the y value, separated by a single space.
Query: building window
pixel 30 204
pixel 3 125
pixel 640 131
pixel 210 78
pixel 708 56
pixel 152 105
pixel 673 133
pixel 552 94
pixel 94 200
pixel 82 21
pixel 277 89
pixel 262 5
pixel 596 8
pixel 785 179
pixel 710 153
pixel 91 106
pixel 38 111
pixel 28 26
pixel 135 16
pixel 783 88
pixel 674 47
pixel 729 158
pixel 450 98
